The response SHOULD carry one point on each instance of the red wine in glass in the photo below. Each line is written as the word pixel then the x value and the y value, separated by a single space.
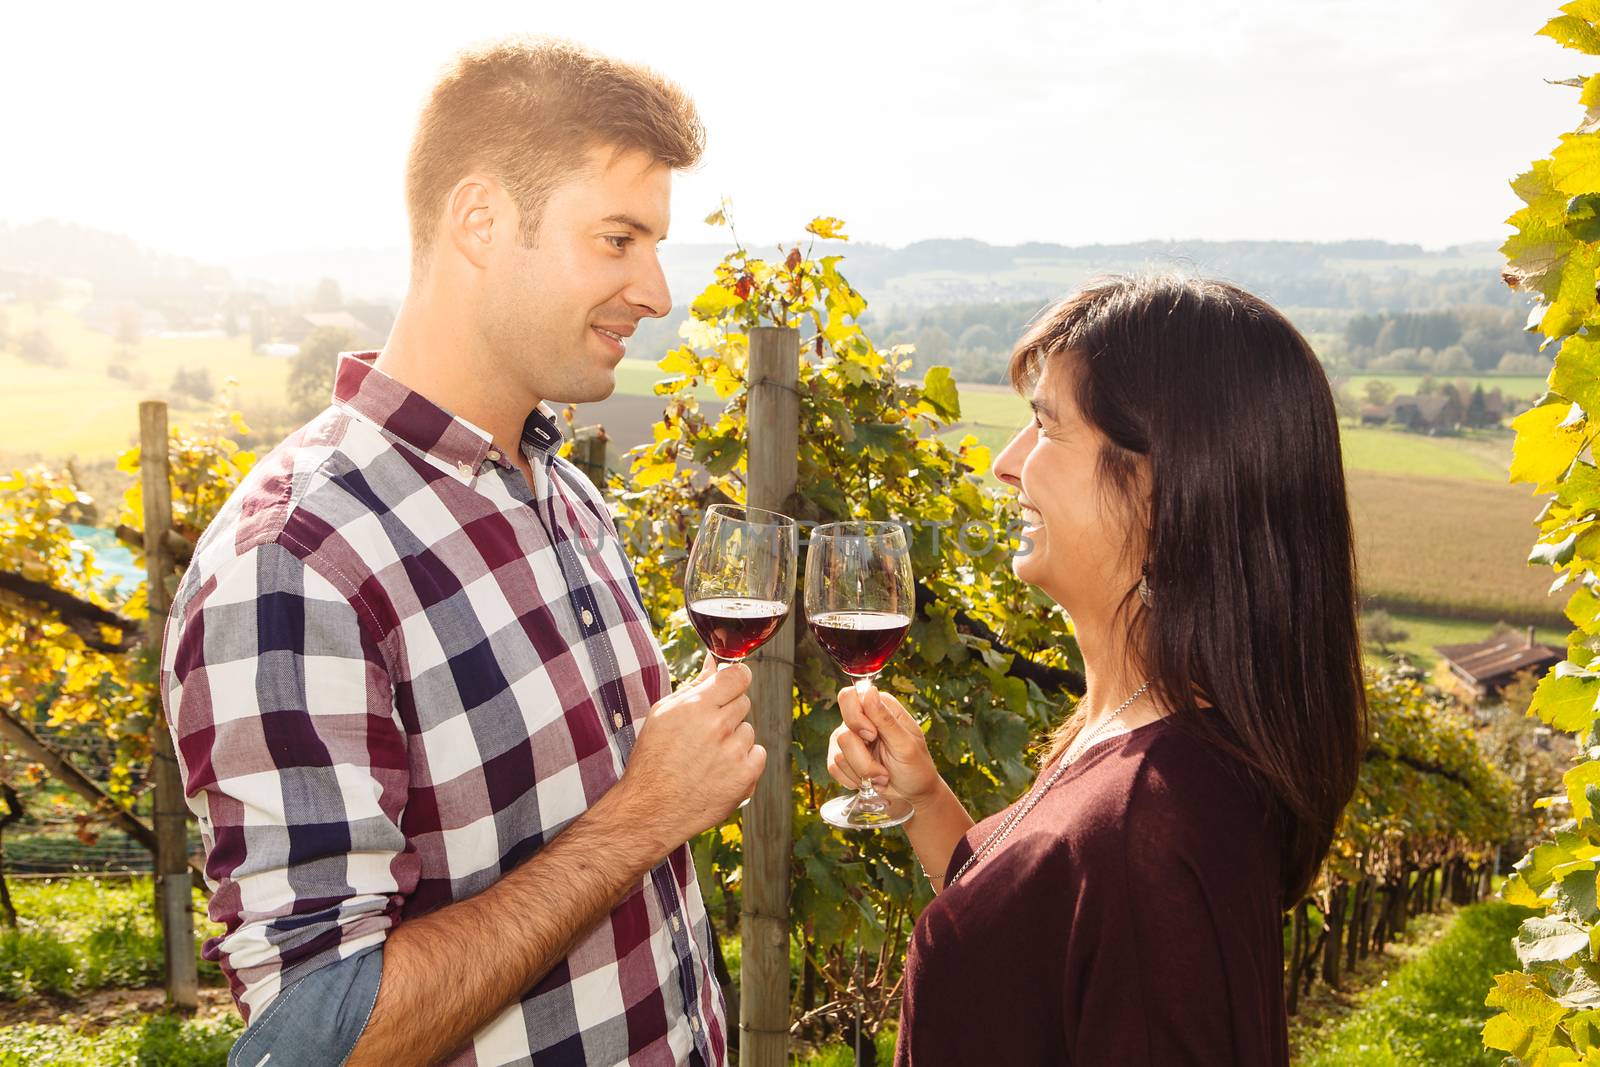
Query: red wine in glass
pixel 859 602
pixel 740 579
pixel 734 627
pixel 860 642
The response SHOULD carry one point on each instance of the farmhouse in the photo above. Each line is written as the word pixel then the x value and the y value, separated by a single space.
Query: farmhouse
pixel 1486 667
pixel 1433 413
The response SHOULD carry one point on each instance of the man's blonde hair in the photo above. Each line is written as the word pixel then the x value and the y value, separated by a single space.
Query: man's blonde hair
pixel 526 111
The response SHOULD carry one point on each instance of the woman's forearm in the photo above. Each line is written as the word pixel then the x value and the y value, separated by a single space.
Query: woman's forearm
pixel 940 821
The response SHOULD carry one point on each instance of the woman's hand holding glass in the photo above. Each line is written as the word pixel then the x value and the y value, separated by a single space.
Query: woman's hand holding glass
pixel 880 740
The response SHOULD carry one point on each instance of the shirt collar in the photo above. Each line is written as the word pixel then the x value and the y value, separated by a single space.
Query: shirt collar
pixel 411 417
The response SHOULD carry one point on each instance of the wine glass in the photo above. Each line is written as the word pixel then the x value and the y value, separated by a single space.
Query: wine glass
pixel 740 581
pixel 859 603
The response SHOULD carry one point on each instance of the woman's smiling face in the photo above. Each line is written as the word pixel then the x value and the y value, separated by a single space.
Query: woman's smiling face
pixel 1083 546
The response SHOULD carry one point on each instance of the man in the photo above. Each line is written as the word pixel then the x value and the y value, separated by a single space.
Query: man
pixel 422 720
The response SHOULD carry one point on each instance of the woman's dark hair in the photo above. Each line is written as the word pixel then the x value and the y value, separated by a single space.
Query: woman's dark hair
pixel 1251 564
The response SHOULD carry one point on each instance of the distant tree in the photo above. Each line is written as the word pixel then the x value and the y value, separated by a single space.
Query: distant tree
pixel 260 328
pixel 979 337
pixel 311 376
pixel 1427 387
pixel 35 346
pixel 328 296
pixel 1388 338
pixel 1522 363
pixel 1347 405
pixel 1478 408
pixel 1400 360
pixel 1379 629
pixel 933 343
pixel 1452 360
pixel 195 383
pixel 1378 392
pixel 1362 330
pixel 129 326
pixel 230 323
pixel 1454 392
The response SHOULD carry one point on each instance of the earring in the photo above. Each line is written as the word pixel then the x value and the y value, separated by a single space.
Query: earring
pixel 1145 596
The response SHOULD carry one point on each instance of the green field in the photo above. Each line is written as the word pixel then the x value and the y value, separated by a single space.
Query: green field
pixel 1426 632
pixel 78 410
pixel 1477 458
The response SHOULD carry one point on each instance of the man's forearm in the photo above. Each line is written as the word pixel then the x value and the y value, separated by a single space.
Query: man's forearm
pixel 448 973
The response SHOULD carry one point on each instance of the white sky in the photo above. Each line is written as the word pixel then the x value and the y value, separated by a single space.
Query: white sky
pixel 227 129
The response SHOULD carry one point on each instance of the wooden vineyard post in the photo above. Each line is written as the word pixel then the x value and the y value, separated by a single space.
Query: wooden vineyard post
pixel 171 814
pixel 589 453
pixel 764 923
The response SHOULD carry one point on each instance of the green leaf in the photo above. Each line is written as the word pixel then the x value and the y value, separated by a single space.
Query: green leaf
pixel 1577 780
pixel 1534 250
pixel 1583 217
pixel 875 439
pixel 1566 698
pixel 1530 1015
pixel 940 394
pixel 1570 286
pixel 1583 608
pixel 719 453
pixel 1576 375
pixel 1536 188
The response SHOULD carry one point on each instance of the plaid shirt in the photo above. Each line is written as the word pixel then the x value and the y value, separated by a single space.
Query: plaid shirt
pixel 392 674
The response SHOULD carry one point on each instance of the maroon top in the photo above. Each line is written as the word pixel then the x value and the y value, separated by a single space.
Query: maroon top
pixel 1132 918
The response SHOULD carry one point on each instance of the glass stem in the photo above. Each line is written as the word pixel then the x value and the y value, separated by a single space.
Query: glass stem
pixel 867 796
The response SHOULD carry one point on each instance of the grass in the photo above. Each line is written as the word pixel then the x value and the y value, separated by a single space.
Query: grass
pixel 1431 1010
pixel 843 1055
pixel 1398 452
pixel 76 935
pixel 153 1041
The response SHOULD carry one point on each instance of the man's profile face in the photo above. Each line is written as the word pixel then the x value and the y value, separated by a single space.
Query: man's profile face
pixel 558 314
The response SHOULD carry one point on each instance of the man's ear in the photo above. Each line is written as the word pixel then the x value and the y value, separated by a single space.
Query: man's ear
pixel 476 215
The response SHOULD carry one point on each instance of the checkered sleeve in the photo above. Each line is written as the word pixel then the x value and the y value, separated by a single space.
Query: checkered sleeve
pixel 281 706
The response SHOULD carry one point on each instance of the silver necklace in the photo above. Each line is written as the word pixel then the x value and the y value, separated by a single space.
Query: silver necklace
pixel 1037 795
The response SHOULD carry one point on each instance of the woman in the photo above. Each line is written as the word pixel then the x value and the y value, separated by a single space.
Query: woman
pixel 1185 497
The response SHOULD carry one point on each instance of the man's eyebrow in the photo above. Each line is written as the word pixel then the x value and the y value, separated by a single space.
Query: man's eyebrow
pixel 631 223
pixel 1041 408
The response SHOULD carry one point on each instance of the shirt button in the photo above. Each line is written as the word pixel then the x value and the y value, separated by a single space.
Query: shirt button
pixel 677 924
pixel 494 455
pixel 616 717
pixel 465 469
pixel 694 1023
pixel 588 617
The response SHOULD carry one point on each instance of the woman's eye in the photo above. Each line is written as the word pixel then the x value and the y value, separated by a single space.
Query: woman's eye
pixel 618 241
